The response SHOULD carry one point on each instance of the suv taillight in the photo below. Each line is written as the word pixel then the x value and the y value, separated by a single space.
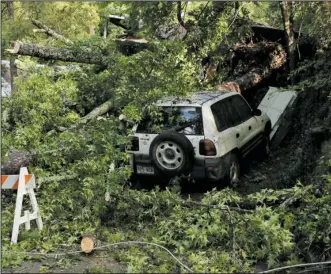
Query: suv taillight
pixel 207 148
pixel 134 144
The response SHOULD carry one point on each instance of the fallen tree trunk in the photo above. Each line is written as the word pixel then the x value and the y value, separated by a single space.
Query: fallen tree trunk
pixel 51 32
pixel 245 82
pixel 61 54
pixel 16 160
pixel 258 61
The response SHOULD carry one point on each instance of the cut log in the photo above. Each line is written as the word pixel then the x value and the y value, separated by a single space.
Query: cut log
pixel 51 32
pixel 61 54
pixel 88 243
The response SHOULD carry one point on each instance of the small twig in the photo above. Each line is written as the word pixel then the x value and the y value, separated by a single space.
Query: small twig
pixel 203 10
pixel 225 207
pixel 102 248
pixel 297 42
pixel 294 266
pixel 236 15
pixel 51 32
pixel 233 231
pixel 292 199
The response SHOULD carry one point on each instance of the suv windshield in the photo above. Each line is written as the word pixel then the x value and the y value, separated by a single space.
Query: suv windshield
pixel 183 119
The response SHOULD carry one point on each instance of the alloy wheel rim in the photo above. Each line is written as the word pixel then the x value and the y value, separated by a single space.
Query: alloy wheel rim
pixel 169 155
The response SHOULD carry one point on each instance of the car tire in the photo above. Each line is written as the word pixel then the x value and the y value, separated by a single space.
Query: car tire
pixel 172 154
pixel 233 170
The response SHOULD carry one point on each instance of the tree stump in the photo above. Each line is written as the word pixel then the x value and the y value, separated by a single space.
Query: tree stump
pixel 88 243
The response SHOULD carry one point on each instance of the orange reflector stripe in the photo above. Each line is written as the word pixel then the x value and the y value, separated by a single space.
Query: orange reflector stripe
pixel 14 184
pixel 3 179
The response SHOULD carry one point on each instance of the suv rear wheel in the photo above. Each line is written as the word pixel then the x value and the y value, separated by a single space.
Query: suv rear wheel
pixel 172 154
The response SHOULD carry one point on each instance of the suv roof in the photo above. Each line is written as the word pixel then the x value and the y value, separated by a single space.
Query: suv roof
pixel 195 99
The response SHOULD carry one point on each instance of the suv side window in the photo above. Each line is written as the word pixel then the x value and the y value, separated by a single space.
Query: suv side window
pixel 244 110
pixel 225 114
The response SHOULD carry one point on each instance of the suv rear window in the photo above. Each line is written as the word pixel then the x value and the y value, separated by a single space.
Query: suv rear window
pixel 182 119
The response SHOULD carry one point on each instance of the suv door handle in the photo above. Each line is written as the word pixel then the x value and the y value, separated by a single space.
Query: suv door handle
pixel 237 135
pixel 144 139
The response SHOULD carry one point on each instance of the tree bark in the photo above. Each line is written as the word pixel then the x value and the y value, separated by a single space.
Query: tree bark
pixel 245 82
pixel 180 19
pixel 259 60
pixel 61 54
pixel 98 111
pixel 51 32
pixel 13 71
pixel 179 14
pixel 16 160
pixel 287 15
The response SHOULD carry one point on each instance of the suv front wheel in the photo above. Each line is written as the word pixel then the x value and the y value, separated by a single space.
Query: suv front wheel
pixel 233 172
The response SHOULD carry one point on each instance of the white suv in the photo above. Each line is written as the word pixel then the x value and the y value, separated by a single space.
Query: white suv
pixel 203 136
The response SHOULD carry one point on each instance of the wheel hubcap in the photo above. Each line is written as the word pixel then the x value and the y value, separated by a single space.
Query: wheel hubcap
pixel 169 155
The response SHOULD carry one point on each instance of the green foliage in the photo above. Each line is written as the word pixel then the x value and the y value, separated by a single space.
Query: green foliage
pixel 208 236
pixel 314 73
pixel 317 26
pixel 39 105
pixel 55 15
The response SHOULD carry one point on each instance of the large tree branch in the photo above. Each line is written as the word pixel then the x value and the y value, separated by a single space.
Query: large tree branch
pixel 51 32
pixel 179 14
pixel 61 54
pixel 287 14
pixel 98 111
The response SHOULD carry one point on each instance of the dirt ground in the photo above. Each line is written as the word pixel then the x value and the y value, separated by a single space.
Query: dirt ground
pixel 299 153
pixel 98 262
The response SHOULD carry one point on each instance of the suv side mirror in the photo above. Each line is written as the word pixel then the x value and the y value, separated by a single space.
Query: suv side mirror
pixel 257 112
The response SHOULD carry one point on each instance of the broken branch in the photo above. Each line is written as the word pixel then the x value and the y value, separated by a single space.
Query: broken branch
pixel 61 54
pixel 39 31
pixel 179 14
pixel 98 111
pixel 51 32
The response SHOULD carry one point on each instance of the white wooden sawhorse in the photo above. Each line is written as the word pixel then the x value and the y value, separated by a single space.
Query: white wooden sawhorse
pixel 24 183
